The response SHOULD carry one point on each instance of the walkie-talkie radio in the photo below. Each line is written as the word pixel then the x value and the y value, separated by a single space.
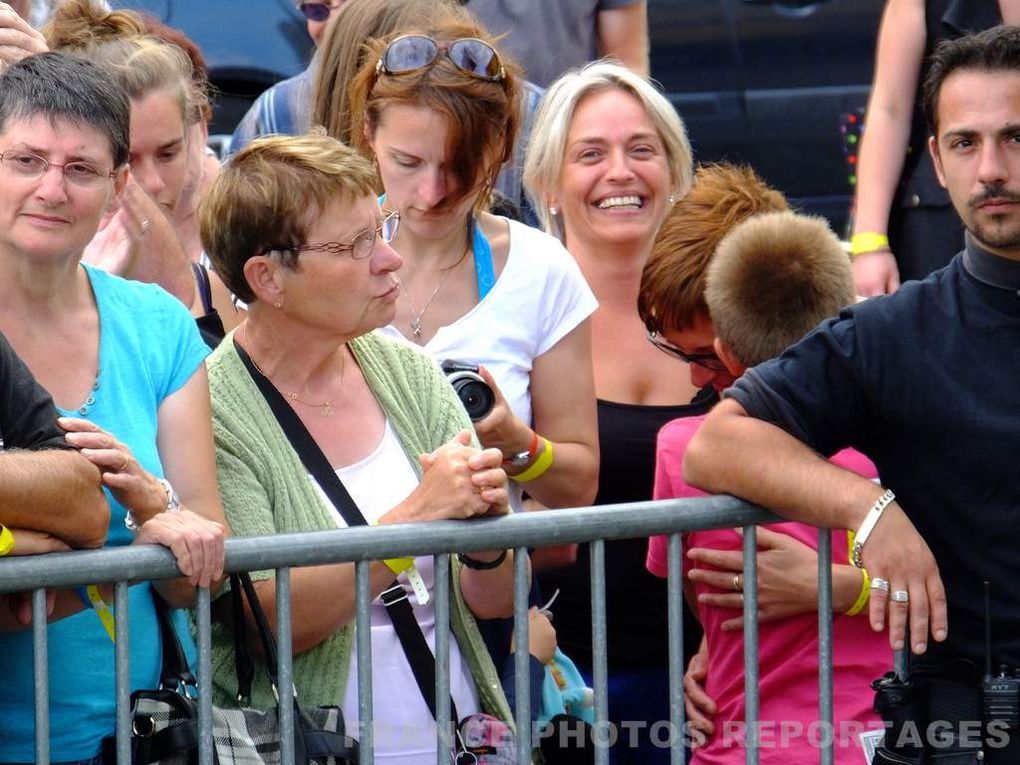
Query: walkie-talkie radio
pixel 1000 695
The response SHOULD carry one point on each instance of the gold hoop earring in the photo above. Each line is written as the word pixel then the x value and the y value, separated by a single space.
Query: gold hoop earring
pixel 277 304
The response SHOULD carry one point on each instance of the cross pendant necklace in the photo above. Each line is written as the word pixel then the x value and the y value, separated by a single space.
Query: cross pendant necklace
pixel 416 319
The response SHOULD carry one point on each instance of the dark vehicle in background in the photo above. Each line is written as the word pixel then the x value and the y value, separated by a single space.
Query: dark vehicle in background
pixel 763 82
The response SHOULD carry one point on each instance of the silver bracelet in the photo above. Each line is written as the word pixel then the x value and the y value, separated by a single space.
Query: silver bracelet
pixel 869 523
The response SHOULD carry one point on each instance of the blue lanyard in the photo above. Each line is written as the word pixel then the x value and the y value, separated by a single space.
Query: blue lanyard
pixel 484 271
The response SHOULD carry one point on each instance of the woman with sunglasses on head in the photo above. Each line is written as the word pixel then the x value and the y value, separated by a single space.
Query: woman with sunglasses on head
pixel 294 227
pixel 149 238
pixel 438 115
pixel 608 158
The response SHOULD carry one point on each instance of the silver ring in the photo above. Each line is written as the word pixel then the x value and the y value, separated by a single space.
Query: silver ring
pixel 878 583
pixel 736 583
pixel 899 596
pixel 146 225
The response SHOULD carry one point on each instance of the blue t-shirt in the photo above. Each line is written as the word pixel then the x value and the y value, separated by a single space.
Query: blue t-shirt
pixel 149 348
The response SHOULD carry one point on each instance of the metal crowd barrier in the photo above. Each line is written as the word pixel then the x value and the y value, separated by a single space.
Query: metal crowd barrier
pixel 364 544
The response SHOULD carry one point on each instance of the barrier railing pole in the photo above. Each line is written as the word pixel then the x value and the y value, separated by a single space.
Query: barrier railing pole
pixel 751 643
pixel 203 622
pixel 600 670
pixel 284 665
pixel 825 710
pixel 42 677
pixel 675 594
pixel 522 656
pixel 444 743
pixel 363 635
pixel 122 665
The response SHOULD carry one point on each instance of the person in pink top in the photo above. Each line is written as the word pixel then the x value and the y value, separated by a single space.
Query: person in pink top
pixel 772 278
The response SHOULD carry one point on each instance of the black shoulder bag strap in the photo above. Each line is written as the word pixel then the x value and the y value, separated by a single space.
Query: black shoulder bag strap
pixel 412 640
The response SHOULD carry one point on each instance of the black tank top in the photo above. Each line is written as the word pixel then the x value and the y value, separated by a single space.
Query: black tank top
pixel 635 599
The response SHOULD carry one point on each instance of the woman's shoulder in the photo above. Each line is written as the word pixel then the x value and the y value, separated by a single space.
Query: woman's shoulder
pixel 125 294
pixel 394 357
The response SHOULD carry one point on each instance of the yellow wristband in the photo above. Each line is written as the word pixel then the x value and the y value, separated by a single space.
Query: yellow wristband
pixel 862 597
pixel 539 466
pixel 399 565
pixel 868 241
pixel 6 541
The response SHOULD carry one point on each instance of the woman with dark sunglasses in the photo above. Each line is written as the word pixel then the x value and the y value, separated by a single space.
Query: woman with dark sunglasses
pixel 438 115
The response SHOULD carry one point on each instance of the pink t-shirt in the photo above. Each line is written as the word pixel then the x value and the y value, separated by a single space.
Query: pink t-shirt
pixel 787 649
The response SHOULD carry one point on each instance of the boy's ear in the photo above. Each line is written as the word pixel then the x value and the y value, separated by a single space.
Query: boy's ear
pixel 733 365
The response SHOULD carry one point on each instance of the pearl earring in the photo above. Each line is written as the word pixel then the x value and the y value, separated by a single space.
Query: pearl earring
pixel 672 199
pixel 277 304
pixel 554 210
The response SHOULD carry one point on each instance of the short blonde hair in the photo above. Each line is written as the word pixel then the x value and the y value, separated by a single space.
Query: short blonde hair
pixel 544 160
pixel 267 196
pixel 773 279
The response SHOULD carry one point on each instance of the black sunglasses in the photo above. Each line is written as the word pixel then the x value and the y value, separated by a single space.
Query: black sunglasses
pixel 412 53
pixel 706 360
pixel 318 11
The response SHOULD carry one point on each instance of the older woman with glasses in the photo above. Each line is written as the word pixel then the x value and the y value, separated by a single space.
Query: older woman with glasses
pixel 438 113
pixel 124 364
pixel 294 228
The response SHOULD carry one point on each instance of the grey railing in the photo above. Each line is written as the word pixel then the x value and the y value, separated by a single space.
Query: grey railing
pixel 364 544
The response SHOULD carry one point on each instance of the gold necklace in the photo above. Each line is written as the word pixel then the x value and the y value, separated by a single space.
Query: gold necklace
pixel 415 321
pixel 325 407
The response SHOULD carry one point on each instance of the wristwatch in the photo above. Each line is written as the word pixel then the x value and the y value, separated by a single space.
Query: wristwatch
pixel 525 458
pixel 173 504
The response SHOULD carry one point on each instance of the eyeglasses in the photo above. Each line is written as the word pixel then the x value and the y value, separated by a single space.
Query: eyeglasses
pixel 707 360
pixel 318 11
pixel 411 53
pixel 360 247
pixel 30 166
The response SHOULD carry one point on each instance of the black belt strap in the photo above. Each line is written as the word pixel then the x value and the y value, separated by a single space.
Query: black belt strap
pixel 394 598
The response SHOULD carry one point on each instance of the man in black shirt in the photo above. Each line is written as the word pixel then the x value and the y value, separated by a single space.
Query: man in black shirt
pixel 926 382
pixel 50 496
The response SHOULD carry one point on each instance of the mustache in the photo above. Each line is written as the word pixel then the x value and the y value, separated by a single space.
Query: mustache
pixel 994 191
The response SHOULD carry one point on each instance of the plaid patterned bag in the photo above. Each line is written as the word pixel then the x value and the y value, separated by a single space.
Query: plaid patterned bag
pixel 164 722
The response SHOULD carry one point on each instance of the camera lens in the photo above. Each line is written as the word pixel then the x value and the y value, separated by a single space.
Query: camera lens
pixel 477 397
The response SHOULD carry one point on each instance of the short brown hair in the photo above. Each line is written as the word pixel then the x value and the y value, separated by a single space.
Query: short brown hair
pixel 482 116
pixel 672 292
pixel 773 279
pixel 269 193
pixel 345 45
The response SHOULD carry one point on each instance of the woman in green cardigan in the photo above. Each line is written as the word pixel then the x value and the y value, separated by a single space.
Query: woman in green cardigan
pixel 295 231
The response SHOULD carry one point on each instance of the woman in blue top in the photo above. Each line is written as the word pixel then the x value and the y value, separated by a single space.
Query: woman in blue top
pixel 124 363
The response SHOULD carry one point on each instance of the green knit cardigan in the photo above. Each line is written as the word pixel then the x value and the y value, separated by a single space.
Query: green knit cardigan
pixel 266 490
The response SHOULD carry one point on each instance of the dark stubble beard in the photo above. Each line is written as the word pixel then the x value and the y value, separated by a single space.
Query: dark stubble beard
pixel 999 232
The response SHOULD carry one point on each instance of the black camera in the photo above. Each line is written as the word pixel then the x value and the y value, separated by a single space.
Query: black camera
pixel 474 393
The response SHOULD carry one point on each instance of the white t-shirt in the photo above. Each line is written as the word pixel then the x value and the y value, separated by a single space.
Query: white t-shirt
pixel 538 299
pixel 405 731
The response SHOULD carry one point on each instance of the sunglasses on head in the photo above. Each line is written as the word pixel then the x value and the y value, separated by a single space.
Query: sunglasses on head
pixel 318 11
pixel 412 53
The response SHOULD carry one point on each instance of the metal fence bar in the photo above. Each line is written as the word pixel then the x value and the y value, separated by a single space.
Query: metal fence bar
pixel 42 677
pixel 675 616
pixel 522 656
pixel 441 571
pixel 751 643
pixel 203 621
pixel 622 521
pixel 600 669
pixel 363 634
pixel 825 711
pixel 284 665
pixel 122 659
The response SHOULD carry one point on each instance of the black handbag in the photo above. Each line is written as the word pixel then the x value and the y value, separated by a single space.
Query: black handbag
pixel 164 721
